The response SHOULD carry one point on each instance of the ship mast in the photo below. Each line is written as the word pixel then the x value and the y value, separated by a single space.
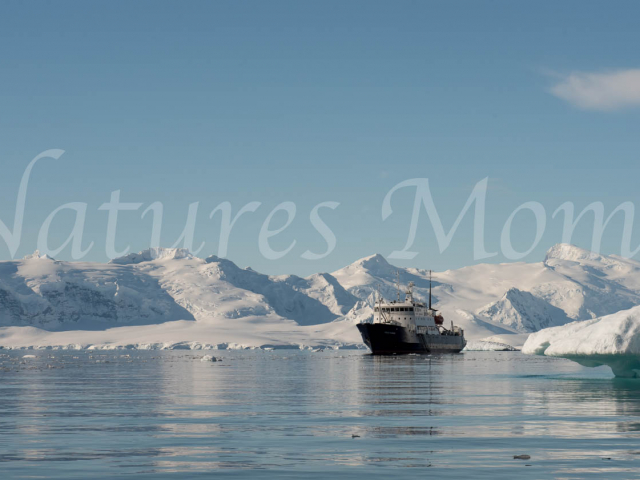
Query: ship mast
pixel 429 289
pixel 398 284
pixel 409 293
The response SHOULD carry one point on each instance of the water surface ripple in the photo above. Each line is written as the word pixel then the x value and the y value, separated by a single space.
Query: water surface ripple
pixel 266 414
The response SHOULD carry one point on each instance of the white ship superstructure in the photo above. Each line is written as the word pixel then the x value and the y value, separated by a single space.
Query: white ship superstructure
pixel 409 326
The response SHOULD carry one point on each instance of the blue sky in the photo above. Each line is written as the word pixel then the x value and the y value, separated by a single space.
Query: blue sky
pixel 308 102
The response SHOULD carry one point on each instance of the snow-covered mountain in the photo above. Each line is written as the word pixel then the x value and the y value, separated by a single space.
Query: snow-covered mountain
pixel 188 298
pixel 594 285
pixel 524 312
pixel 182 296
pixel 363 277
pixel 308 301
pixel 38 291
pixel 489 299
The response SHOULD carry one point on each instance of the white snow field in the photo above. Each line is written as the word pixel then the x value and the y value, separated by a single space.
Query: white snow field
pixel 612 340
pixel 168 298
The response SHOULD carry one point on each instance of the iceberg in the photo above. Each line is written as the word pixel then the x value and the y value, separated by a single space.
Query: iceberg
pixel 612 340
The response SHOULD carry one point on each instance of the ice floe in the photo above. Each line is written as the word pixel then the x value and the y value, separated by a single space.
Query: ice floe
pixel 612 340
pixel 484 346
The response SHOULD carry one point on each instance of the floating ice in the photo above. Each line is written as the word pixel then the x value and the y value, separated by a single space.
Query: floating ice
pixel 612 340
pixel 208 358
pixel 484 346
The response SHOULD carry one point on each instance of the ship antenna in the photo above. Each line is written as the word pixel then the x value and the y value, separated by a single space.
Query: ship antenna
pixel 429 289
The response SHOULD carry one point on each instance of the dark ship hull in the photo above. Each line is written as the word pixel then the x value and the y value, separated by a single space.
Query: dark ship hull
pixel 388 339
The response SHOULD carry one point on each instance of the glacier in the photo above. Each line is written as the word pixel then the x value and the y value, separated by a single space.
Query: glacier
pixel 169 298
pixel 612 340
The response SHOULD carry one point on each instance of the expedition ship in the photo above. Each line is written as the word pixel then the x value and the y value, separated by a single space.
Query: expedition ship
pixel 409 327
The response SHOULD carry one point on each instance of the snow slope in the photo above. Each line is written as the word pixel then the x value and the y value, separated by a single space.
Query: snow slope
pixel 612 340
pixel 212 302
pixel 308 301
pixel 39 291
pixel 524 312
pixel 168 295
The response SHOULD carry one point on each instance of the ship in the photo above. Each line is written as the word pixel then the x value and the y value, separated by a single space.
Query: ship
pixel 401 327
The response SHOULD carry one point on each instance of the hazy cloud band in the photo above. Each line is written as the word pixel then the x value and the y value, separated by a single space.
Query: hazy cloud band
pixel 605 91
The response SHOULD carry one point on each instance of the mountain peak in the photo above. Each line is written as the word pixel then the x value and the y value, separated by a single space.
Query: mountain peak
pixel 523 311
pixel 572 253
pixel 364 271
pixel 375 256
pixel 373 261
pixel 37 255
pixel 226 262
pixel 227 268
pixel 153 253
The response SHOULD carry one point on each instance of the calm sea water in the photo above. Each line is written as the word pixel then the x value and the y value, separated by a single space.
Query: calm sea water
pixel 259 414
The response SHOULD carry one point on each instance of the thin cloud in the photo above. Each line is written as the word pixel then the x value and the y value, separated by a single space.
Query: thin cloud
pixel 605 91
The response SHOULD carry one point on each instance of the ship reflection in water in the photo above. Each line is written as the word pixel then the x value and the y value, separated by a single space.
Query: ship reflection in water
pixel 262 414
